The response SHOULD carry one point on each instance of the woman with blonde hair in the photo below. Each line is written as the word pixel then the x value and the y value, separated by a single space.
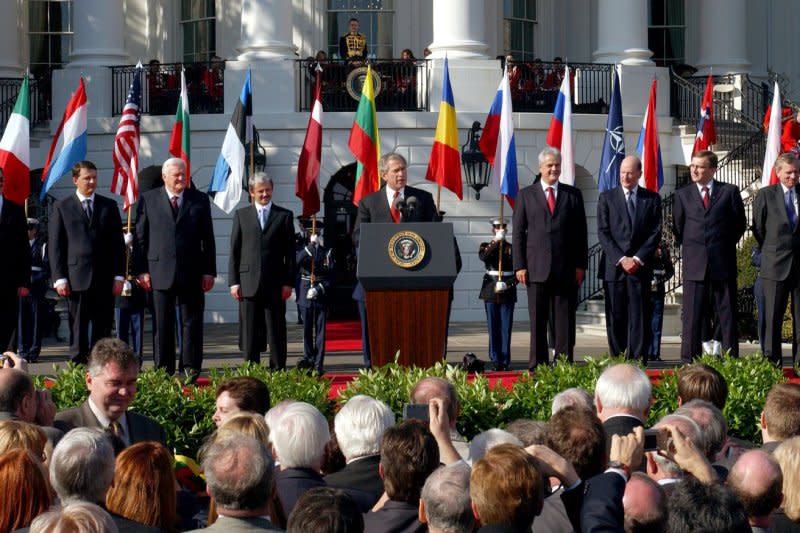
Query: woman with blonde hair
pixel 144 488
pixel 78 517
pixel 16 435
pixel 787 518
pixel 24 487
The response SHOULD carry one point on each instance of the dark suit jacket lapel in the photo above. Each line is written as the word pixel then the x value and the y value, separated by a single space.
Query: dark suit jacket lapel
pixel 541 199
pixel 163 205
pixel 716 190
pixel 77 210
pixel 619 199
pixel 383 205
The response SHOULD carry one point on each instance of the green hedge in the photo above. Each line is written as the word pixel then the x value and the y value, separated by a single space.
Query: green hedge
pixel 185 410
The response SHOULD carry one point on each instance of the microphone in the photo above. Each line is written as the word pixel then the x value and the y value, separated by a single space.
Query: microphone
pixel 412 206
pixel 400 205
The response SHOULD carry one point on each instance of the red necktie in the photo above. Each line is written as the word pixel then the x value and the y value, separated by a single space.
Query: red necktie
pixel 174 201
pixel 705 197
pixel 551 200
pixel 393 209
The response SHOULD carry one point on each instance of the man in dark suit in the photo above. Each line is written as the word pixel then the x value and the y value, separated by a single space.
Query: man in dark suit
pixel 775 217
pixel 15 271
pixel 176 259
pixel 261 272
pixel 111 380
pixel 87 258
pixel 550 255
pixel 708 220
pixel 629 229
pixel 380 206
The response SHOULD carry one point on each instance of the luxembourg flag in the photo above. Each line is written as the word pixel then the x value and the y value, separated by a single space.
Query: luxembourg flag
pixel 560 134
pixel 497 142
pixel 71 135
pixel 649 147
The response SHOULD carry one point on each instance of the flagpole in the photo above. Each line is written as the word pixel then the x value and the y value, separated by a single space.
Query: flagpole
pixel 500 243
pixel 438 196
pixel 126 283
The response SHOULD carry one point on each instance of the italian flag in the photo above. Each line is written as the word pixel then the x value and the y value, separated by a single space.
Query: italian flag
pixel 15 149
pixel 365 142
pixel 179 143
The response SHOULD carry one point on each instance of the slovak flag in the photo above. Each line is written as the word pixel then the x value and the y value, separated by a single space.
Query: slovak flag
pixel 71 135
pixel 649 147
pixel 560 134
pixel 706 131
pixel 497 142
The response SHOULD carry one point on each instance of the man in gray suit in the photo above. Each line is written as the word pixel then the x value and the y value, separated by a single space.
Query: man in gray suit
pixel 111 380
pixel 261 272
pixel 775 228
pixel 239 478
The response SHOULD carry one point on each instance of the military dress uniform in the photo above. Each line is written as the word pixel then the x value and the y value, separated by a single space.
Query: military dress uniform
pixel 663 270
pixel 499 305
pixel 313 306
pixel 33 308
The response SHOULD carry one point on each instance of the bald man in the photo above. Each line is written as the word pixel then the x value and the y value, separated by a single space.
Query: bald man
pixel 645 504
pixel 757 482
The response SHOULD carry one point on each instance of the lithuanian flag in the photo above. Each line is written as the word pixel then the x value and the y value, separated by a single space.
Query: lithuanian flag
pixel 365 142
pixel 444 166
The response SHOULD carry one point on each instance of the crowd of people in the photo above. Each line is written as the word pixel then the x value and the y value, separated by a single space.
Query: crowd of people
pixel 593 466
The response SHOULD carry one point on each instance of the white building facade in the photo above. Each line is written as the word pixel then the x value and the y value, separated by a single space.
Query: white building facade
pixel 74 38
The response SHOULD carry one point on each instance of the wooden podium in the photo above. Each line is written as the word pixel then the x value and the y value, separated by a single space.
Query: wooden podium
pixel 407 271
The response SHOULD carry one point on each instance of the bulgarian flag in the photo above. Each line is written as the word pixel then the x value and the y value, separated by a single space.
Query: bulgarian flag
pixel 15 149
pixel 365 142
pixel 179 143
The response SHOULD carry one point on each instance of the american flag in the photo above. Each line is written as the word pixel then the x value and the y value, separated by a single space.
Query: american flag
pixel 126 144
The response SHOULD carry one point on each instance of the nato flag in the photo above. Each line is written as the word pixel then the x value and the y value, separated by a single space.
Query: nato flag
pixel 614 143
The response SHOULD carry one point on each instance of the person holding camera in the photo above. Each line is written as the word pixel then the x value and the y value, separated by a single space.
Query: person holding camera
pixel 499 294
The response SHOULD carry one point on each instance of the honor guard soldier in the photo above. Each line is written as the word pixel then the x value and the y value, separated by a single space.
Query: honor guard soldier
pixel 33 307
pixel 353 45
pixel 663 270
pixel 315 263
pixel 499 293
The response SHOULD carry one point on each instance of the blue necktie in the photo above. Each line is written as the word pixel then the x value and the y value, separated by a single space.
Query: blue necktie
pixel 788 200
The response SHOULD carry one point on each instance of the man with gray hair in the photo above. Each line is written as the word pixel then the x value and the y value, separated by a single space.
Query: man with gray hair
pixel 261 272
pixel 360 425
pixel 111 380
pixel 433 387
pixel 176 258
pixel 387 205
pixel 663 470
pixel 82 469
pixel 573 396
pixel 550 256
pixel 445 504
pixel 622 397
pixel 239 474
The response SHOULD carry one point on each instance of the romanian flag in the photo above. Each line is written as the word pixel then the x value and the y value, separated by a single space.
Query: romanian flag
pixel 180 141
pixel 365 142
pixel 444 166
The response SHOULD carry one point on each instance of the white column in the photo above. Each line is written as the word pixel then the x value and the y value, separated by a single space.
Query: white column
pixel 723 42
pixel 98 32
pixel 459 29
pixel 266 30
pixel 9 41
pixel 622 32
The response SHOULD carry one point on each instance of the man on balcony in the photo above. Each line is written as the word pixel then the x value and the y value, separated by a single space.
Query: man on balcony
pixel 353 45
pixel 708 220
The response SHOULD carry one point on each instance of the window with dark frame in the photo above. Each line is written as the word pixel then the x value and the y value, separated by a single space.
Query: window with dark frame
pixel 198 20
pixel 519 25
pixel 49 35
pixel 666 32
pixel 375 21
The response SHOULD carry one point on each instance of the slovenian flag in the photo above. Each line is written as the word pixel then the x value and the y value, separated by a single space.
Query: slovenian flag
pixel 229 172
pixel 71 135
pixel 649 147
pixel 560 134
pixel 444 166
pixel 497 142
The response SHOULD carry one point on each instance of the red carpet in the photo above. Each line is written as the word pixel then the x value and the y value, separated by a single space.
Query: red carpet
pixel 343 336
